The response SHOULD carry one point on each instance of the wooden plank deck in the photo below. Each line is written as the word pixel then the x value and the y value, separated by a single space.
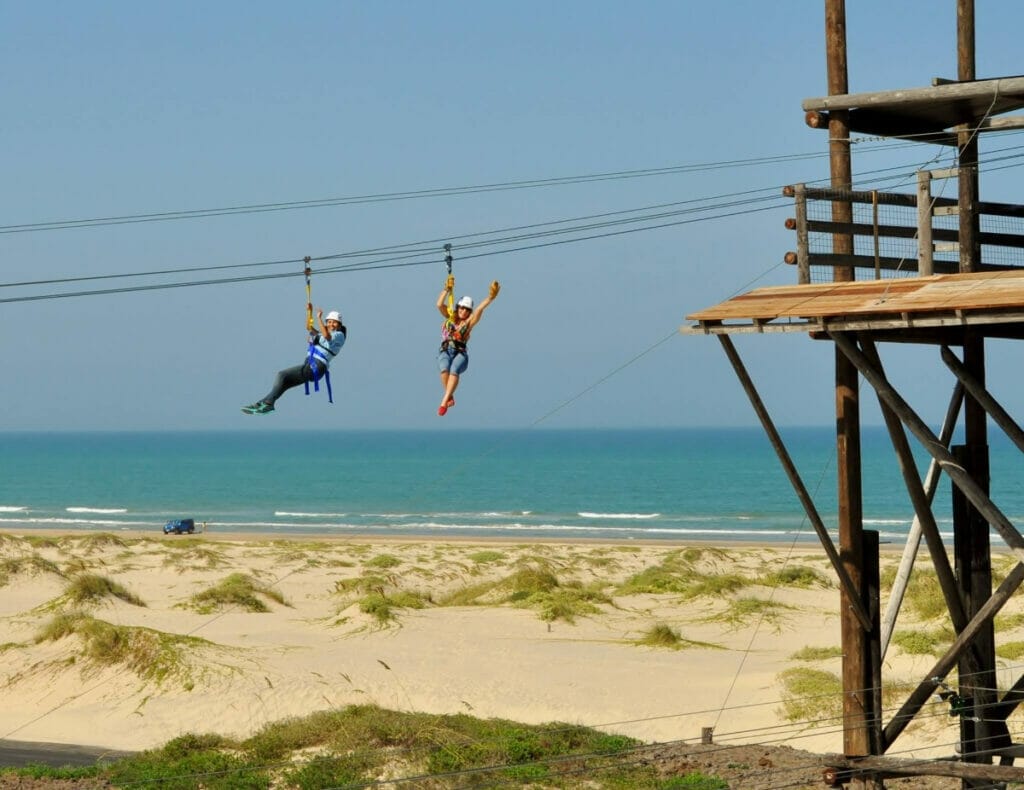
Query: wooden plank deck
pixel 983 297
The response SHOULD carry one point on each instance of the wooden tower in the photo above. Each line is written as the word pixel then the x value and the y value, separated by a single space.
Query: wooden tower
pixel 961 283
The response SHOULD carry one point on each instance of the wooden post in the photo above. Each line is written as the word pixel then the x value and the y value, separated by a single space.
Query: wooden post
pixel 925 248
pixel 857 714
pixel 803 266
pixel 972 549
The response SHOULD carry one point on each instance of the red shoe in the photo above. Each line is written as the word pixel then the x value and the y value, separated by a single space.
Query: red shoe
pixel 441 411
pixel 450 403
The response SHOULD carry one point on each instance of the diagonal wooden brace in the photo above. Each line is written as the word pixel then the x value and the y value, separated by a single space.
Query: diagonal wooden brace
pixel 974 492
pixel 852 593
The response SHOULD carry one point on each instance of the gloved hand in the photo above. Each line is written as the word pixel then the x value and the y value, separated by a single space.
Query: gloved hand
pixel 495 287
pixel 449 284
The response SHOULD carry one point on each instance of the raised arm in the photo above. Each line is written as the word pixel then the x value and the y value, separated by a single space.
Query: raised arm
pixel 324 331
pixel 491 296
pixel 449 285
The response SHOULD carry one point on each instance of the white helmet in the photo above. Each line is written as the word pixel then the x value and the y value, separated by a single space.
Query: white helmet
pixel 334 315
pixel 466 301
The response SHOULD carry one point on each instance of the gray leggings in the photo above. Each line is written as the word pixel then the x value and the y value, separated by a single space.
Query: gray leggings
pixel 288 378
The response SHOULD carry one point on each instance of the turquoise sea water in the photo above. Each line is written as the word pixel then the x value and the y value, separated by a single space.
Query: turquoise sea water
pixel 613 484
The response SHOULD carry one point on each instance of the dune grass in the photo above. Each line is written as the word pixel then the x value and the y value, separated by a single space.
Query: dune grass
pixel 796 576
pixel 94 541
pixel 384 561
pixel 923 598
pixel 810 653
pixel 1011 651
pixel 87 588
pixel 534 587
pixel 379 596
pixel 750 610
pixel 238 590
pixel 31 565
pixel 487 557
pixel 365 745
pixel 923 642
pixel 151 655
pixel 666 637
pixel 384 607
pixel 193 554
pixel 811 695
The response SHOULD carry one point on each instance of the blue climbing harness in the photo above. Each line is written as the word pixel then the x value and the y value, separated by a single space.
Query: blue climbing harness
pixel 317 357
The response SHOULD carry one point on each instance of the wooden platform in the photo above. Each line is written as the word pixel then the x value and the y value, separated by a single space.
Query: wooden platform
pixel 926 114
pixel 913 309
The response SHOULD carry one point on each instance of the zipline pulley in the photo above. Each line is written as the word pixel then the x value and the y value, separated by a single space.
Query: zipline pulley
pixel 313 351
pixel 450 282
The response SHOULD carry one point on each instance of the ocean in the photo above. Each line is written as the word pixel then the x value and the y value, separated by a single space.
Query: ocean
pixel 672 484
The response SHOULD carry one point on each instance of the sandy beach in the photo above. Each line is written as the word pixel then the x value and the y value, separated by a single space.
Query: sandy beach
pixel 161 642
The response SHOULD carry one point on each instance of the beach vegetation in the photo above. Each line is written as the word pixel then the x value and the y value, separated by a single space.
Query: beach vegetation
pixel 694 781
pixel 1011 651
pixel 740 612
pixel 923 642
pixel 924 598
pixel 190 555
pixel 810 653
pixel 381 606
pixel 796 576
pixel 1009 621
pixel 42 542
pixel 696 554
pixel 679 573
pixel 600 561
pixel 661 635
pixel 366 745
pixel 713 586
pixel 33 565
pixel 383 561
pixel 487 557
pixel 190 761
pixel 151 655
pixel 652 580
pixel 87 588
pixel 94 541
pixel 237 590
pixel 811 696
pixel 366 583
pixel 665 636
pixel 533 587
pixel 77 565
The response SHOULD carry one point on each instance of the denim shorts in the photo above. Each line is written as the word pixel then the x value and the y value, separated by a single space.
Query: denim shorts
pixel 451 361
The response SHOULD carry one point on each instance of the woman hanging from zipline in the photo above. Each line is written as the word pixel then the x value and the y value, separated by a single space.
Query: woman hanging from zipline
pixel 323 346
pixel 459 320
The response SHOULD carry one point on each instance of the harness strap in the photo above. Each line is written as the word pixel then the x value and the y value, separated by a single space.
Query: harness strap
pixel 316 358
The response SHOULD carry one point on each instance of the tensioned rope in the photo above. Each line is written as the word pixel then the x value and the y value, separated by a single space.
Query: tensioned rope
pixel 413 249
pixel 412 194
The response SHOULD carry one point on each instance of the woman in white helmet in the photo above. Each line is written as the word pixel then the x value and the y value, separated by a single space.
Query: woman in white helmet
pixel 453 358
pixel 323 347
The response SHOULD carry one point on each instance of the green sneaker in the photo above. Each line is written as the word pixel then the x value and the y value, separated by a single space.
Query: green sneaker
pixel 259 407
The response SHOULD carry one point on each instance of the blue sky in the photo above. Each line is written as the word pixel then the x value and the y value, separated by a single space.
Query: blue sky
pixel 118 108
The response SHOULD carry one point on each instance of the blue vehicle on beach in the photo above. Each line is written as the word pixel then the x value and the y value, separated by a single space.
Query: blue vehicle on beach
pixel 180 526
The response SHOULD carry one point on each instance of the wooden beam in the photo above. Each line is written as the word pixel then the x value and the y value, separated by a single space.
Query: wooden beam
pixel 920 695
pixel 921 499
pixel 903 766
pixel 1004 86
pixel 931 443
pixel 794 478
pixel 982 396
